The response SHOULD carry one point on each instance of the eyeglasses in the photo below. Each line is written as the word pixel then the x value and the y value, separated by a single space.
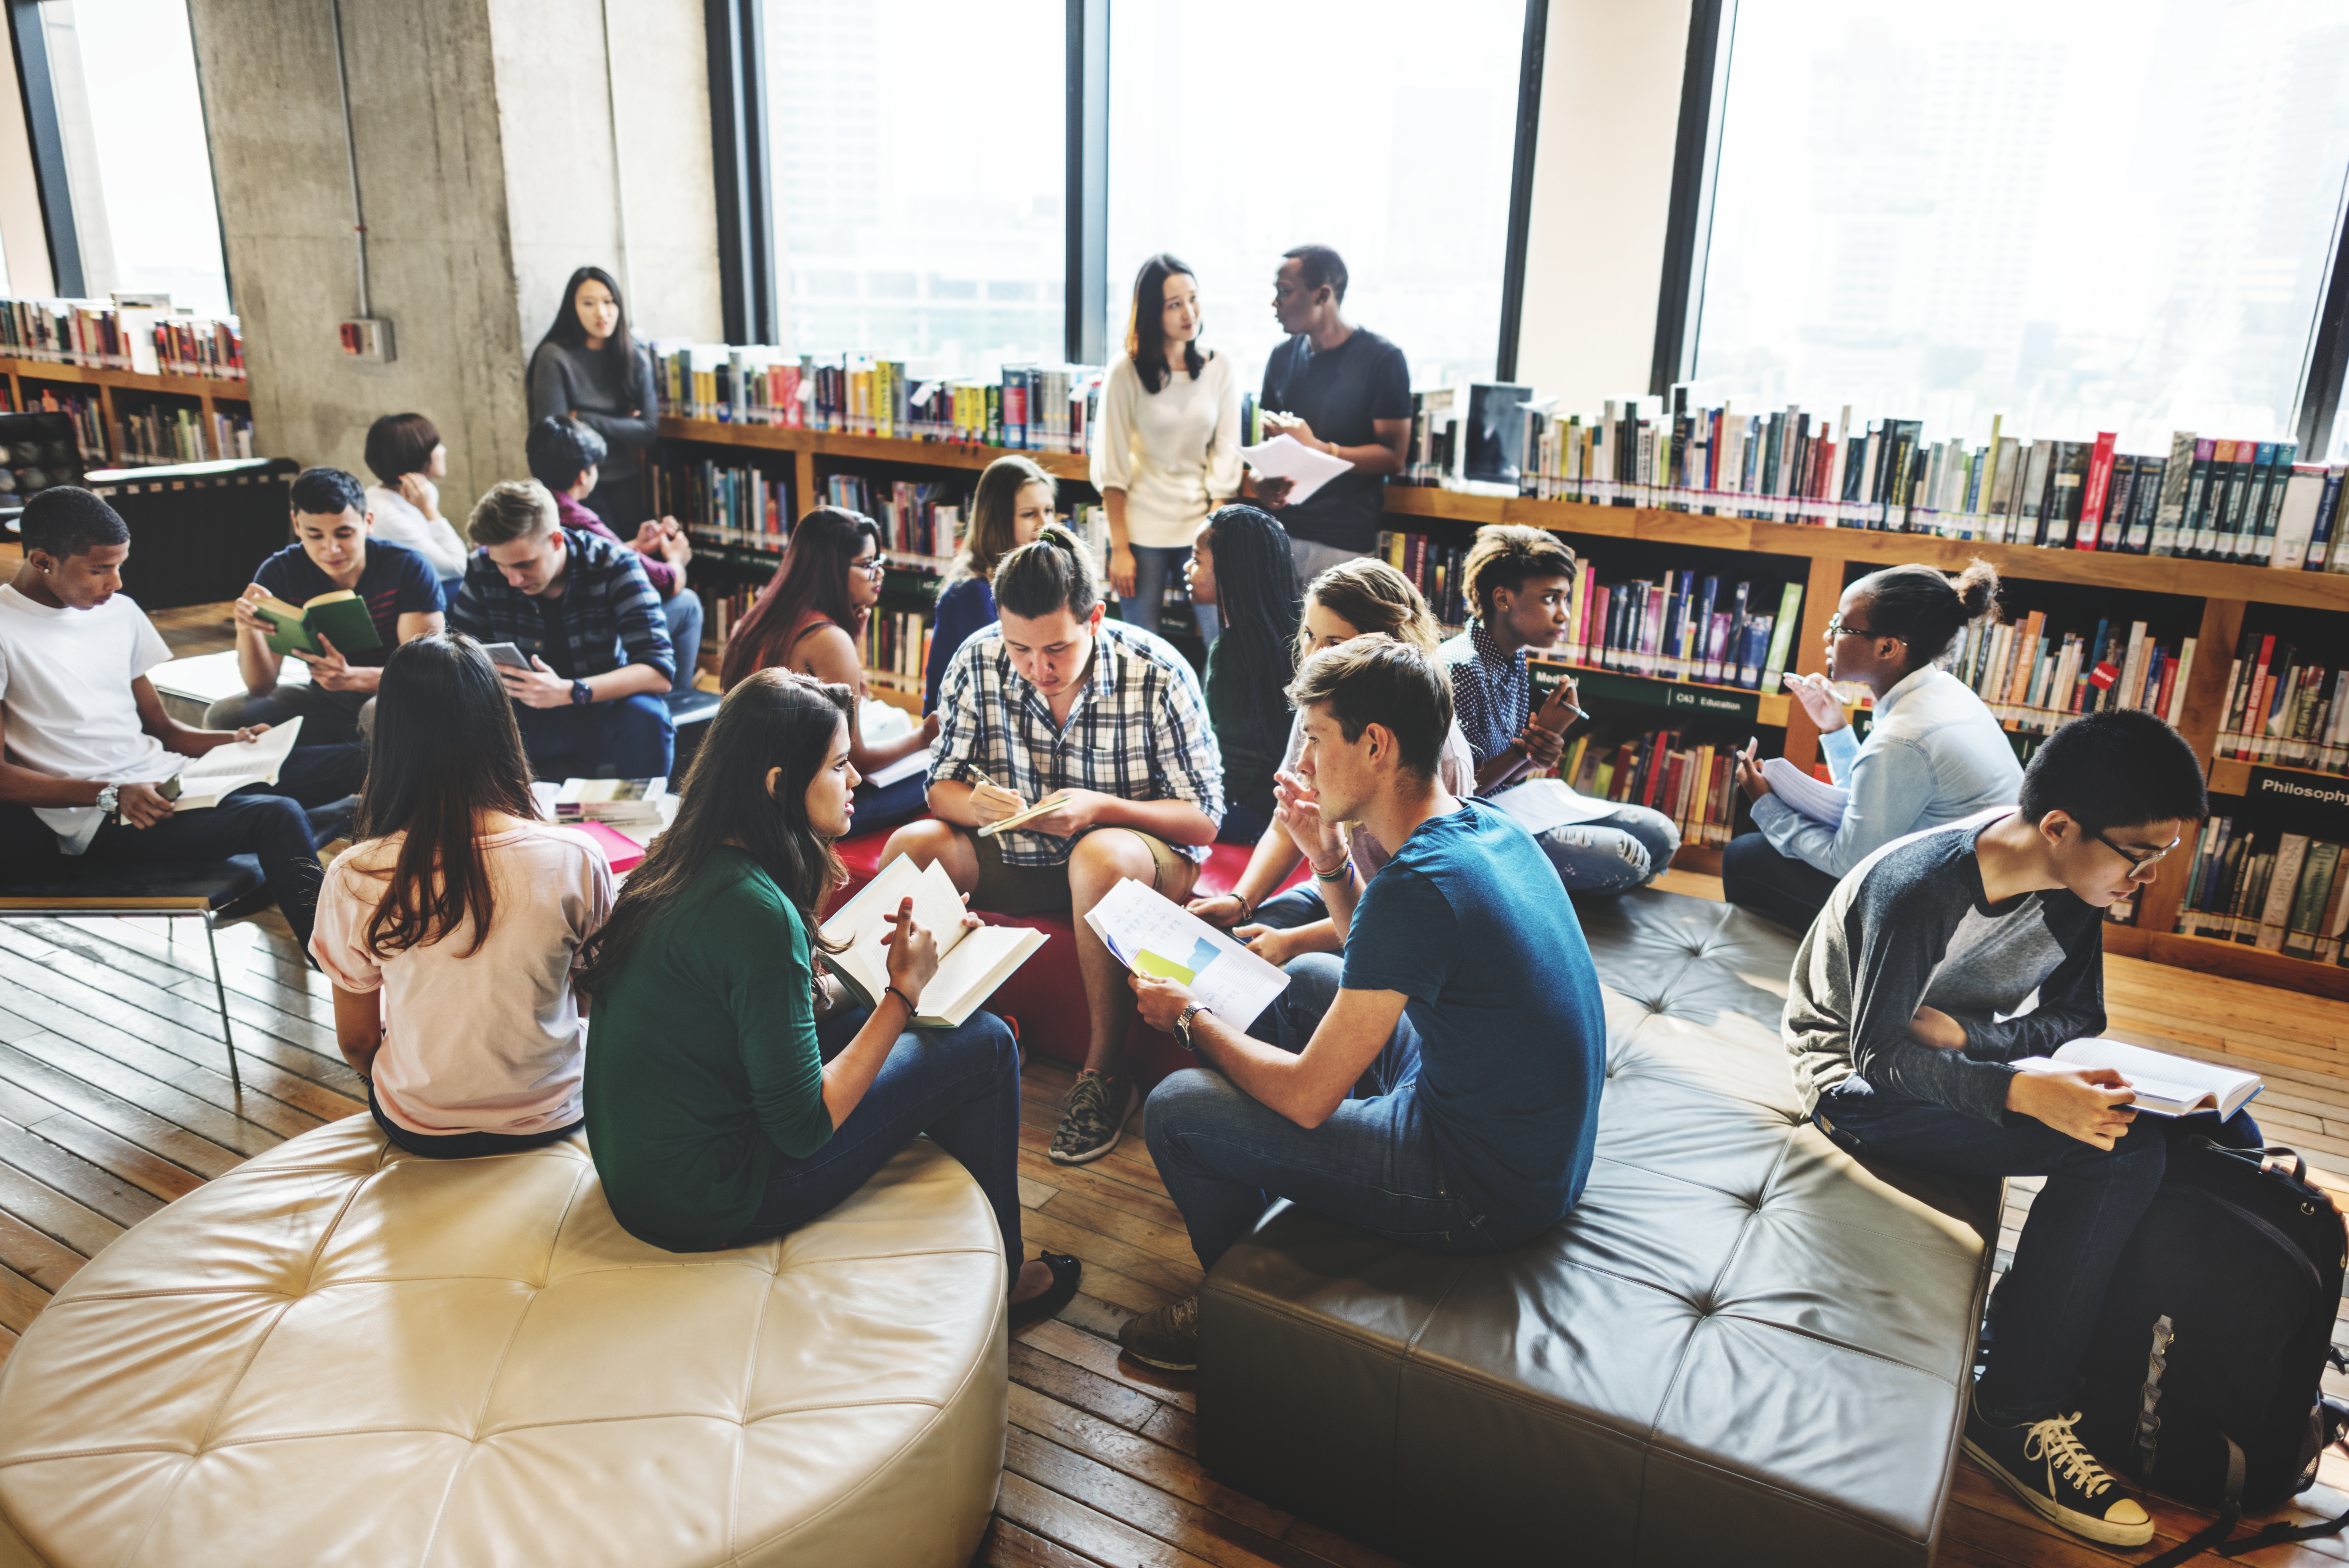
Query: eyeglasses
pixel 2138 864
pixel 873 566
pixel 1836 628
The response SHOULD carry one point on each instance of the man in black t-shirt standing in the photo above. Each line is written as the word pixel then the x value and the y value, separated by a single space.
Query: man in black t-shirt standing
pixel 331 550
pixel 1338 388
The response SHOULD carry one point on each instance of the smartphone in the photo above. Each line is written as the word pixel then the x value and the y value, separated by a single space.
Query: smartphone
pixel 507 654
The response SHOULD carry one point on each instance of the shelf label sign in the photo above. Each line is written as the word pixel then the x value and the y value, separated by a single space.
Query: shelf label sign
pixel 2294 802
pixel 1646 692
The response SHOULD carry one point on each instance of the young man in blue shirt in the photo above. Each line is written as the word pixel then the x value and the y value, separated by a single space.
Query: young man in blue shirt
pixel 1465 1002
pixel 331 550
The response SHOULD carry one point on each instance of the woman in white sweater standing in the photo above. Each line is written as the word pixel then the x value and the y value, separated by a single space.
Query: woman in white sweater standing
pixel 1169 451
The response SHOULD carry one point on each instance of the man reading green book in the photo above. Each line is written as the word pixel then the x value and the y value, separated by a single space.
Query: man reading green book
pixel 334 599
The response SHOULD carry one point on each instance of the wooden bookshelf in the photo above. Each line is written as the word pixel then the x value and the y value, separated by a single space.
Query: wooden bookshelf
pixel 208 391
pixel 2226 590
pixel 2232 776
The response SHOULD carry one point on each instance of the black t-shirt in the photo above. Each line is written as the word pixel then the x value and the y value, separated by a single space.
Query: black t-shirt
pixel 396 581
pixel 1339 394
pixel 556 645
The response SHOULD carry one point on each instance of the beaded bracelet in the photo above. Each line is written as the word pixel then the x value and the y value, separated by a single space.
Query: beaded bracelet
pixel 1344 873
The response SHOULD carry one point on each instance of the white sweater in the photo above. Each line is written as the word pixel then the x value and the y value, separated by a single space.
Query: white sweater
pixel 1176 452
pixel 434 538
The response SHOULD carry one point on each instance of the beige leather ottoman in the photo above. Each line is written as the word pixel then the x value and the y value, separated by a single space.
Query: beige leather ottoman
pixel 339 1353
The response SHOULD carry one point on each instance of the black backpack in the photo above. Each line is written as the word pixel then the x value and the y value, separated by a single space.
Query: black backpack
pixel 2202 1379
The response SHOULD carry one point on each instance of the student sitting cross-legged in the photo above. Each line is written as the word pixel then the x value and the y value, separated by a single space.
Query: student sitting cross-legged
pixel 451 926
pixel 1902 1020
pixel 1521 582
pixel 86 748
pixel 1360 597
pixel 332 549
pixel 1053 702
pixel 731 1094
pixel 566 456
pixel 1465 1007
pixel 581 609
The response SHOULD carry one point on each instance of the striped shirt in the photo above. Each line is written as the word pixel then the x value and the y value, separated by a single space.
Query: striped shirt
pixel 1492 692
pixel 1138 730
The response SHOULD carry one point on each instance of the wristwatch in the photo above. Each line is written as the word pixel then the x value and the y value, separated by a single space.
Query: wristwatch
pixel 1183 1025
pixel 580 695
pixel 110 799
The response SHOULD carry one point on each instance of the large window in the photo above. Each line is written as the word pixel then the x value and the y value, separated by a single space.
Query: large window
pixel 131 127
pixel 919 172
pixel 2103 214
pixel 1382 128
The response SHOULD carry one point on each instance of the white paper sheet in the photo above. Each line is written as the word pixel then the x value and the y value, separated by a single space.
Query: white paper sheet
pixel 1308 468
pixel 1151 935
pixel 1540 804
pixel 905 767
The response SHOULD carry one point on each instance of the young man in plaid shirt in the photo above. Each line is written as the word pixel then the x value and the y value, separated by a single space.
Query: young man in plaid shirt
pixel 583 611
pixel 1108 720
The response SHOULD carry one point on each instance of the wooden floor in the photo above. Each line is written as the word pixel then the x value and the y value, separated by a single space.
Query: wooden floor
pixel 115 1099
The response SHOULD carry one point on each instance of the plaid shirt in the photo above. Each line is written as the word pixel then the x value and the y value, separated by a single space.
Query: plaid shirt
pixel 611 616
pixel 1138 730
pixel 1492 692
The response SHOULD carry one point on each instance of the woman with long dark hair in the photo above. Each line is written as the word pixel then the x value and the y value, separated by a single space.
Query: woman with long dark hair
pixel 1169 448
pixel 732 1098
pixel 1013 503
pixel 810 617
pixel 461 908
pixel 589 367
pixel 1241 567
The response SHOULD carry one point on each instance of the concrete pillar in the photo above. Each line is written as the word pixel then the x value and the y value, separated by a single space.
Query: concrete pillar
pixel 485 137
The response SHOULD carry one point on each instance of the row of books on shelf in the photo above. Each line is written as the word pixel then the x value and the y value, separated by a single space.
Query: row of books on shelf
pixel 107 336
pixel 895 643
pixel 82 407
pixel 1681 627
pixel 2284 707
pixel 2209 498
pixel 2034 677
pixel 1029 408
pixel 925 520
pixel 723 504
pixel 157 434
pixel 1695 785
pixel 2285 892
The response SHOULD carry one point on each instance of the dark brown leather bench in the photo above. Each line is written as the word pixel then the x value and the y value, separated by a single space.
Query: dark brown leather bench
pixel 1744 1346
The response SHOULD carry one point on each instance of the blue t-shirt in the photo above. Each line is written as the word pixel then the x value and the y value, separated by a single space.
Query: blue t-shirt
pixel 1471 923
pixel 396 581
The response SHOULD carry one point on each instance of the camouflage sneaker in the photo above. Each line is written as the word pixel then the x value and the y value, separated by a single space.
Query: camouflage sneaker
pixel 1094 1119
pixel 1165 1336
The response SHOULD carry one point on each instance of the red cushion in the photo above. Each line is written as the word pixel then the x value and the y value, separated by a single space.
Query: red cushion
pixel 1047 995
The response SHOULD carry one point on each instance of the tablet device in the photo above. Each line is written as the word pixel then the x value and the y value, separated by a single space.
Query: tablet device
pixel 507 654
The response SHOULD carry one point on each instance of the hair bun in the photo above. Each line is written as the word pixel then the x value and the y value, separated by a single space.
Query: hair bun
pixel 1977 588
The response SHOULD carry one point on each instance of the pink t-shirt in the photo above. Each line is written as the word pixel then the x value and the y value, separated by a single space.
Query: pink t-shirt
pixel 490 1043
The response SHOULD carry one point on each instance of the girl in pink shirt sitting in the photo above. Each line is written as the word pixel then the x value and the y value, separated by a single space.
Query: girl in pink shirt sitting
pixel 450 929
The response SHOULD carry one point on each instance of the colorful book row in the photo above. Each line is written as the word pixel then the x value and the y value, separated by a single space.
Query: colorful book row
pixel 2287 894
pixel 2283 706
pixel 2035 677
pixel 102 335
pixel 1030 408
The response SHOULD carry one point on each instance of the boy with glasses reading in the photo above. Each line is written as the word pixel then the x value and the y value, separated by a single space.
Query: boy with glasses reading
pixel 1906 1013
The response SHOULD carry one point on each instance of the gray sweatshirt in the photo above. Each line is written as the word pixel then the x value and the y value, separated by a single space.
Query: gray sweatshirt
pixel 1909 928
pixel 601 390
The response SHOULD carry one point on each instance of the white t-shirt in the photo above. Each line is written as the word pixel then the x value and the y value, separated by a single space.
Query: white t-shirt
pixel 487 1043
pixel 431 537
pixel 65 694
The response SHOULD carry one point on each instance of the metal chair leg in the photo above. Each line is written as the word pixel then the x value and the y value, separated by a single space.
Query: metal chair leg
pixel 219 991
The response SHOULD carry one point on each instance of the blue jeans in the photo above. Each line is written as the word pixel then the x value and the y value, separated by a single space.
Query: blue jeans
pixel 2048 1302
pixel 959 1085
pixel 682 611
pixel 1242 824
pixel 329 718
pixel 886 805
pixel 1154 567
pixel 266 821
pixel 1629 847
pixel 631 738
pixel 1224 1156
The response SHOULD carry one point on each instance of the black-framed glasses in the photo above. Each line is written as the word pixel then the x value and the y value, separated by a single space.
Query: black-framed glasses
pixel 1837 628
pixel 2137 863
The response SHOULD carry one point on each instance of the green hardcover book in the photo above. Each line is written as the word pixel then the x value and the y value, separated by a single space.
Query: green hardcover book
pixel 341 618
pixel 2261 545
pixel 2306 927
pixel 1782 636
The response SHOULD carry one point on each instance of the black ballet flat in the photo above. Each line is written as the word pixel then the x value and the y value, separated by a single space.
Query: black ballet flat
pixel 1066 1270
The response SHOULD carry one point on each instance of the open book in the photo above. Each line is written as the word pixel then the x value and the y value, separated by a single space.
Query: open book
pixel 1822 802
pixel 2167 1085
pixel 207 778
pixel 905 767
pixel 342 617
pixel 610 800
pixel 972 959
pixel 1149 934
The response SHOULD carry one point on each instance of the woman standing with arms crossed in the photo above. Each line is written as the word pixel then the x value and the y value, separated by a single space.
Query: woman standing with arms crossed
pixel 1169 452
pixel 731 1096
pixel 589 367
pixel 1013 503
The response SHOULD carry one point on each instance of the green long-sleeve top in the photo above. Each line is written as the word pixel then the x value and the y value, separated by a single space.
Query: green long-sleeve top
pixel 702 1065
